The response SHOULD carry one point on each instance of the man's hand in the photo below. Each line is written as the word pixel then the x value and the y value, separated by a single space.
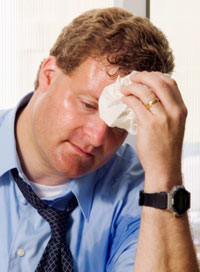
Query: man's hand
pixel 160 128
pixel 165 243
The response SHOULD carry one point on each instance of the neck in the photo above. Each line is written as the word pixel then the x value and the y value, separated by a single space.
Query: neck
pixel 33 164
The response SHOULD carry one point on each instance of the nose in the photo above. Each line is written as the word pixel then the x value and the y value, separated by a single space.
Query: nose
pixel 96 130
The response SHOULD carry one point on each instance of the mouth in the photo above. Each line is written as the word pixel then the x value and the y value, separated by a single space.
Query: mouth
pixel 80 151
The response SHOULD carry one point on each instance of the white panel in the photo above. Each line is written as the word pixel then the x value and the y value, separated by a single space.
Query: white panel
pixel 138 8
pixel 8 65
pixel 180 21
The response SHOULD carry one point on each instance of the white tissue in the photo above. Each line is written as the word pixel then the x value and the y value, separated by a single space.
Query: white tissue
pixel 113 111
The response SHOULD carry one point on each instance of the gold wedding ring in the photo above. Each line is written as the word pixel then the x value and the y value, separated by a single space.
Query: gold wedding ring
pixel 153 101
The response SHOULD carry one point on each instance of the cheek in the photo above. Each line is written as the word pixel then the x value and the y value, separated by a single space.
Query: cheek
pixel 55 116
pixel 45 122
pixel 67 112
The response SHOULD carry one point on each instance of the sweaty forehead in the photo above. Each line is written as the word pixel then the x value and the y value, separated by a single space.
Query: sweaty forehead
pixel 93 76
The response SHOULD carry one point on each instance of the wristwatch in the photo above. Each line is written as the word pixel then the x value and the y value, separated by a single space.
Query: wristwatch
pixel 177 200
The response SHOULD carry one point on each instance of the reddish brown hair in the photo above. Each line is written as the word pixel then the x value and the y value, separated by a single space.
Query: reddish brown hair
pixel 128 41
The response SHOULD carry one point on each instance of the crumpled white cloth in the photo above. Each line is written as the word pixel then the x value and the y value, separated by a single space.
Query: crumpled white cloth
pixel 113 111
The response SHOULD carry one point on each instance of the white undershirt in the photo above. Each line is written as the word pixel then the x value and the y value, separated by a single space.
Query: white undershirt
pixel 44 191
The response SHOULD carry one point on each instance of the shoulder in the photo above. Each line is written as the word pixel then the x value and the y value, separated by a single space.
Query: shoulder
pixel 129 163
pixel 3 115
pixel 125 164
pixel 122 175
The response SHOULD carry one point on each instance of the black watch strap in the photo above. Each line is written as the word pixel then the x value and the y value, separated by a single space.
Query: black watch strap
pixel 156 200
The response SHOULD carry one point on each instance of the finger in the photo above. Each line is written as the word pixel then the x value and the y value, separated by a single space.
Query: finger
pixel 140 91
pixel 146 96
pixel 173 86
pixel 175 90
pixel 164 89
pixel 141 113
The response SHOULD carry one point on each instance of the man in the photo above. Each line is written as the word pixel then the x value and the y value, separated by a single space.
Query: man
pixel 57 143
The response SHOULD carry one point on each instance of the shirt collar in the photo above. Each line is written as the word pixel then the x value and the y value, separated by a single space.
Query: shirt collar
pixel 8 154
pixel 83 187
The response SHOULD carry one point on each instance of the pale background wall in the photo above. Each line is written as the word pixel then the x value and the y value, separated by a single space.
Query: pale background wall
pixel 180 21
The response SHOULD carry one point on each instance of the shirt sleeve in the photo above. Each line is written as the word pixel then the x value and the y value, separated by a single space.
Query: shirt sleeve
pixel 126 220
pixel 123 246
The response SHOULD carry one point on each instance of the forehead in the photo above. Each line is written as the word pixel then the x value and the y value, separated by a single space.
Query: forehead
pixel 93 76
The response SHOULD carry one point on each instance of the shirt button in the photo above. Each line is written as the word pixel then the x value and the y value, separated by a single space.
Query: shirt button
pixel 22 200
pixel 20 252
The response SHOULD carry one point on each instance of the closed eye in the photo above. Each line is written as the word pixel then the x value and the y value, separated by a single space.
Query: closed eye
pixel 89 106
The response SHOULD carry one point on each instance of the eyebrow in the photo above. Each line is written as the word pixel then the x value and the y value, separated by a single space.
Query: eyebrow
pixel 90 96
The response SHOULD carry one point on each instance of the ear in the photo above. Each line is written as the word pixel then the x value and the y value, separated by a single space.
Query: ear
pixel 48 72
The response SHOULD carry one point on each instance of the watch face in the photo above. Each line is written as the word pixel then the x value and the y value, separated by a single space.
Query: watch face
pixel 181 201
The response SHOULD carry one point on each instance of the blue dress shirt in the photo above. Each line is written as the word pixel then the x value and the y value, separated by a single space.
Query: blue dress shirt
pixel 105 225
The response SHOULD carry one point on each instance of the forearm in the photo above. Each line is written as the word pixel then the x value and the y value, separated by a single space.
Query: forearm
pixel 165 243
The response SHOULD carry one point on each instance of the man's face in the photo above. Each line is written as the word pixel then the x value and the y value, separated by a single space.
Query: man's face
pixel 69 136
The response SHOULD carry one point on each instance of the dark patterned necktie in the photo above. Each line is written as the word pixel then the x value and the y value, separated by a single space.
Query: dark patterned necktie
pixel 56 257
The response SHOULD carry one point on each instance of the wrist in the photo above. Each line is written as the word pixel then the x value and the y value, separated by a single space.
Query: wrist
pixel 161 183
pixel 176 200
